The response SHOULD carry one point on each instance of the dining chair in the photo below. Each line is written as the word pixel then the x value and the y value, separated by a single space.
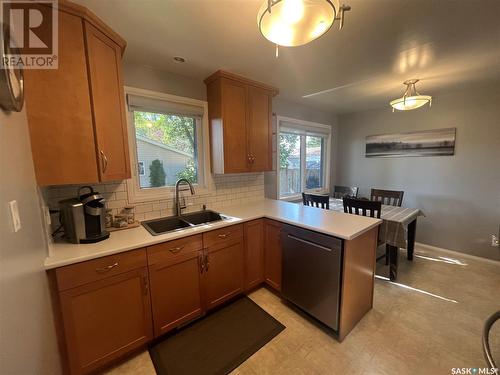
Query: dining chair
pixel 365 207
pixel 344 191
pixel 362 207
pixel 387 197
pixel 313 200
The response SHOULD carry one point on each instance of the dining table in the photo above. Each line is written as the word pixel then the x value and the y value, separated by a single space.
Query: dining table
pixel 398 230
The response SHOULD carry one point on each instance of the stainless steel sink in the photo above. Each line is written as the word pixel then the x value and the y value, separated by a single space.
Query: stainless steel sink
pixel 202 217
pixel 176 223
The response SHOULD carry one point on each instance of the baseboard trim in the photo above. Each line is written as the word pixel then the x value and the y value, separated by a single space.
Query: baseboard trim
pixel 458 253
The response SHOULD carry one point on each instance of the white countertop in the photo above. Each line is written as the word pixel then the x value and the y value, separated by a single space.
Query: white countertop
pixel 333 223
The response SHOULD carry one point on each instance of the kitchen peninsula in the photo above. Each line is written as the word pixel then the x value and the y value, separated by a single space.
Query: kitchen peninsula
pixel 159 283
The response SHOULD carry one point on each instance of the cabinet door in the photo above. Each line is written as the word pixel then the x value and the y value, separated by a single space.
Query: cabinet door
pixel 105 319
pixel 254 253
pixel 223 275
pixel 59 112
pixel 259 129
pixel 175 292
pixel 108 104
pixel 234 125
pixel 272 254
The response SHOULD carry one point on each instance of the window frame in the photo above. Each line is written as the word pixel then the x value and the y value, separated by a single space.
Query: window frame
pixel 135 193
pixel 314 127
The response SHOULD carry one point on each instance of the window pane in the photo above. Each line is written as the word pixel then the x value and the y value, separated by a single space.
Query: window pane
pixel 166 148
pixel 289 164
pixel 314 162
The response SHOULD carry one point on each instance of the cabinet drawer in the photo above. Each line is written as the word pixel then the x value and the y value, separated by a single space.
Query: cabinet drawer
pixel 223 237
pixel 173 250
pixel 97 269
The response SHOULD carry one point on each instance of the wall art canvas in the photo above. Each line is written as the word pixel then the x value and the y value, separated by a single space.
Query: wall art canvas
pixel 435 142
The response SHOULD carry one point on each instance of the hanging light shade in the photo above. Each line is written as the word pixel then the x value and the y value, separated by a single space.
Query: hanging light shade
pixel 292 23
pixel 411 98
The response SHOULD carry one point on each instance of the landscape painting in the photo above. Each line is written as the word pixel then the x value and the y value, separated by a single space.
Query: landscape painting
pixel 423 143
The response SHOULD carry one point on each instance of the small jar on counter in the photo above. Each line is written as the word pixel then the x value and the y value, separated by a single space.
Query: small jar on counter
pixel 129 212
pixel 108 218
pixel 121 221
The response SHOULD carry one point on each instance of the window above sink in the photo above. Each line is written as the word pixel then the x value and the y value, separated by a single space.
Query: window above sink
pixel 168 140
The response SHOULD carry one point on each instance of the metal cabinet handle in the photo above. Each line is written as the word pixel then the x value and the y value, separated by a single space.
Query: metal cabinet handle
pixel 207 262
pixel 104 160
pixel 145 284
pixel 175 250
pixel 201 262
pixel 107 268
pixel 309 243
pixel 224 235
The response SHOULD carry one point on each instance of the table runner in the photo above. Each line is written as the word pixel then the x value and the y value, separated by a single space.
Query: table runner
pixel 394 228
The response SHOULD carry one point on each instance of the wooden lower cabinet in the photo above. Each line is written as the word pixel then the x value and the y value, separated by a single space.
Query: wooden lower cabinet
pixel 254 253
pixel 272 253
pixel 105 319
pixel 223 276
pixel 112 305
pixel 174 273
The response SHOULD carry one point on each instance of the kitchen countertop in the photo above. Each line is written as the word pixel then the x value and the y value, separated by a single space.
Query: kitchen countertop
pixel 333 223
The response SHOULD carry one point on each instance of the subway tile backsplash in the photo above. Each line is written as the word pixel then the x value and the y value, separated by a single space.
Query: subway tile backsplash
pixel 229 190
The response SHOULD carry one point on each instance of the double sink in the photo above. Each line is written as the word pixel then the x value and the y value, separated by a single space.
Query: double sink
pixel 176 223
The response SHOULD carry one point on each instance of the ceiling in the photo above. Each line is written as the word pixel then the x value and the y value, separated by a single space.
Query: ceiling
pixel 444 43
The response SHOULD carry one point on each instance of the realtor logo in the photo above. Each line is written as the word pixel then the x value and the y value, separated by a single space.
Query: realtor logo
pixel 29 34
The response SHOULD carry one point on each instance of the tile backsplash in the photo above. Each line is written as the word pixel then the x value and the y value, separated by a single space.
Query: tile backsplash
pixel 228 190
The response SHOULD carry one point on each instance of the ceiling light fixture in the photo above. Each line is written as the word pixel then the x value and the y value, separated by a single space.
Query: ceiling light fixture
pixel 411 98
pixel 292 23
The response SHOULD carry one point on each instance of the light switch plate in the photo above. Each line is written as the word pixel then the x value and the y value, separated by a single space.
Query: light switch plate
pixel 14 213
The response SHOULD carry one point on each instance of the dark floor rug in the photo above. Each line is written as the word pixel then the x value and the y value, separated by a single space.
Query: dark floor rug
pixel 218 343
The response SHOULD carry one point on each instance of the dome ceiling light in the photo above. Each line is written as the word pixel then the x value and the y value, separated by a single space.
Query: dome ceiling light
pixel 292 23
pixel 411 98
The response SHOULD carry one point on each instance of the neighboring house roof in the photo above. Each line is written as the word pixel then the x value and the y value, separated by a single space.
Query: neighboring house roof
pixel 162 145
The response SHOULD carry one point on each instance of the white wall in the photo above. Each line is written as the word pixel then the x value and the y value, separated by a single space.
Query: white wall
pixel 27 335
pixel 460 194
pixel 148 78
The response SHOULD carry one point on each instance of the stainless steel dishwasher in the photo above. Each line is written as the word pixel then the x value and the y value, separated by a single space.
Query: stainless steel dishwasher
pixel 311 273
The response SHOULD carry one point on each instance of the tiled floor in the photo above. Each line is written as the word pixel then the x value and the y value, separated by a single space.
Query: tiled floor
pixel 429 322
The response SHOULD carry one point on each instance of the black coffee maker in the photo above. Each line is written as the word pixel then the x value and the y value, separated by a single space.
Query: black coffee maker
pixel 83 218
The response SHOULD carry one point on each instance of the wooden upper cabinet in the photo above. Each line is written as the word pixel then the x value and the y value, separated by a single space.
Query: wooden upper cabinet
pixel 59 112
pixel 234 133
pixel 259 129
pixel 108 103
pixel 78 109
pixel 240 113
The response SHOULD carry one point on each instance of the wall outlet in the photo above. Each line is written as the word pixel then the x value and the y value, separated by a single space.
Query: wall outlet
pixel 494 241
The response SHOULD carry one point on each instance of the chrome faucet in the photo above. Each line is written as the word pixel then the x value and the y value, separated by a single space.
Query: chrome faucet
pixel 178 206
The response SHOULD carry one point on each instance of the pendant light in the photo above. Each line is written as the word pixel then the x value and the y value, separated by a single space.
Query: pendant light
pixel 411 98
pixel 292 23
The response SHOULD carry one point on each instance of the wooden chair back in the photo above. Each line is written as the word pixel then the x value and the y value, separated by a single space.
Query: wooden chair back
pixel 345 191
pixel 313 200
pixel 388 197
pixel 362 207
